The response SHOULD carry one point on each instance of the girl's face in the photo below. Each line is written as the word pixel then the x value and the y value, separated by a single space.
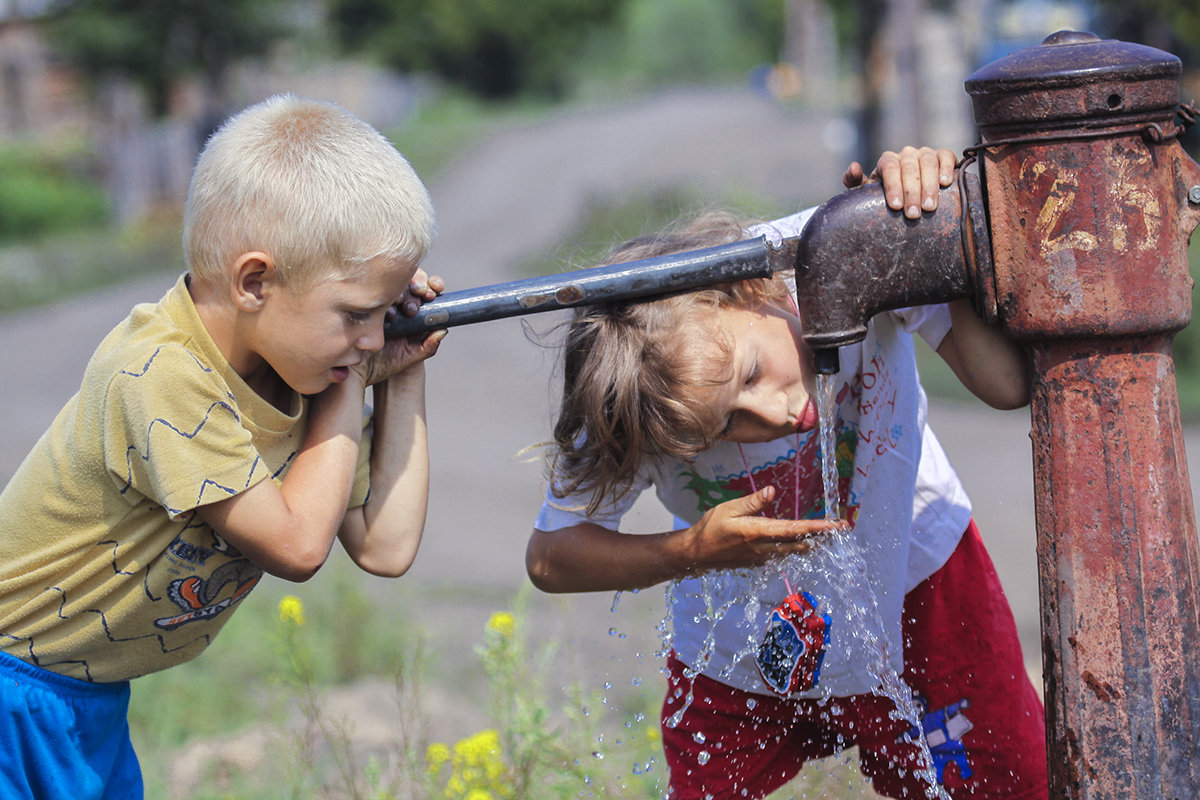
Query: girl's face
pixel 761 386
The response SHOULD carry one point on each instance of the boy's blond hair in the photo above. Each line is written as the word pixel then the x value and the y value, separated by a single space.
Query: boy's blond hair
pixel 311 185
pixel 631 374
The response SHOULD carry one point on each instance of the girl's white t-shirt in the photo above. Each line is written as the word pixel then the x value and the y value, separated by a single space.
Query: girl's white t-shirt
pixel 897 488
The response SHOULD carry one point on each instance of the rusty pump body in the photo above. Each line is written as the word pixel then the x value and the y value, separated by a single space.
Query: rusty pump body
pixel 1090 202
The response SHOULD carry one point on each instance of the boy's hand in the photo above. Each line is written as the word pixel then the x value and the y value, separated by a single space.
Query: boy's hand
pixel 421 289
pixel 399 354
pixel 733 534
pixel 911 178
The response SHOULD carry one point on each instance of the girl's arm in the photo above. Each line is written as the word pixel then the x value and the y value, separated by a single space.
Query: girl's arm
pixel 589 558
pixel 992 366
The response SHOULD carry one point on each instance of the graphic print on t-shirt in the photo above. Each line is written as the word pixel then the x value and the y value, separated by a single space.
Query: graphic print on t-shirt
pixel 793 500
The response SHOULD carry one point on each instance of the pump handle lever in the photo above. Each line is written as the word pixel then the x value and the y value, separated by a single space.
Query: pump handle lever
pixel 632 280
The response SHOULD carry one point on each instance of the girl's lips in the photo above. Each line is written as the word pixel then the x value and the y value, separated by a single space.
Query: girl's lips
pixel 808 417
pixel 340 373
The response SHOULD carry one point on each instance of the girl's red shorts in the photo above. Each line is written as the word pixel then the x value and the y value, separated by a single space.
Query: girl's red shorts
pixel 983 719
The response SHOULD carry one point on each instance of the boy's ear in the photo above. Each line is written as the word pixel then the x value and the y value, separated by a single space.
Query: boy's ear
pixel 252 273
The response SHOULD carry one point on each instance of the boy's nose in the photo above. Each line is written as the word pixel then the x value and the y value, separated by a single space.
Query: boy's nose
pixel 372 341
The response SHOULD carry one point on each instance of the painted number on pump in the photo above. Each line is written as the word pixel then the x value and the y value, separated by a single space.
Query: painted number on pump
pixel 1131 212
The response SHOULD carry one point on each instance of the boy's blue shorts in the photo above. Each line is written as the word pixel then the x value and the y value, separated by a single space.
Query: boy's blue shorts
pixel 64 738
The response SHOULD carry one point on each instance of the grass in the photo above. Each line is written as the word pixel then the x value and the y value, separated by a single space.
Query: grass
pixel 252 716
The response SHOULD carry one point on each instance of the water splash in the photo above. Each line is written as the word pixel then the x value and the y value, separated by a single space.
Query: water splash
pixel 836 562
pixel 840 556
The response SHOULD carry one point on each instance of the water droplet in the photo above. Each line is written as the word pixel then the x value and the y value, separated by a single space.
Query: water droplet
pixel 702 757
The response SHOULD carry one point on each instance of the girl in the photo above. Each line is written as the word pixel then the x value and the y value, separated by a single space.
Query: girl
pixel 707 396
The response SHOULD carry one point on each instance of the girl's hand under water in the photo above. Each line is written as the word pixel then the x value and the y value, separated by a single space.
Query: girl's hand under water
pixel 734 534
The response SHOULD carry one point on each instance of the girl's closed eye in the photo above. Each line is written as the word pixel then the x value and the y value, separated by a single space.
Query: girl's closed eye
pixel 728 426
pixel 752 376
pixel 358 317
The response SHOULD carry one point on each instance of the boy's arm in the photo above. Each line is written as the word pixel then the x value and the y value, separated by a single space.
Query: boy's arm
pixel 289 529
pixel 589 558
pixel 992 366
pixel 382 535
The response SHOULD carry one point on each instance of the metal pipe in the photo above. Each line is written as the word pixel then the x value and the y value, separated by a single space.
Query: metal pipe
pixel 750 258
pixel 856 258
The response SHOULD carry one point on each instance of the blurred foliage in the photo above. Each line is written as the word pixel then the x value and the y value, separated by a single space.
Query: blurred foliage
pixel 154 44
pixel 453 122
pixel 547 47
pixel 47 191
pixel 655 42
pixel 496 50
pixel 1171 25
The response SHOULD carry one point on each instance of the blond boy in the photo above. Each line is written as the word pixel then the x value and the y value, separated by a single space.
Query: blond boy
pixel 217 435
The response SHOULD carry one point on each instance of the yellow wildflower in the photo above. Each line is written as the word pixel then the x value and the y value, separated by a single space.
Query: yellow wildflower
pixel 502 622
pixel 436 755
pixel 478 771
pixel 291 609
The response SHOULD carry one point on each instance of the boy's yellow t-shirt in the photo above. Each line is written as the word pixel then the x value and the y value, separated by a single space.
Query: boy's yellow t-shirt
pixel 106 570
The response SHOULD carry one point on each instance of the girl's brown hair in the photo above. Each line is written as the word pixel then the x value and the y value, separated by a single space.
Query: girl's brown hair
pixel 630 376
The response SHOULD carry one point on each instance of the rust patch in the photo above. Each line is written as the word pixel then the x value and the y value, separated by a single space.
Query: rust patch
pixel 1103 690
pixel 570 294
pixel 535 300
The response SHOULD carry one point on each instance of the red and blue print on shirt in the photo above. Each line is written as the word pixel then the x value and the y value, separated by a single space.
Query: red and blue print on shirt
pixel 793 645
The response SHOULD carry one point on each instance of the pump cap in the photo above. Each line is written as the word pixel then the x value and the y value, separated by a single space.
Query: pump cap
pixel 1074 77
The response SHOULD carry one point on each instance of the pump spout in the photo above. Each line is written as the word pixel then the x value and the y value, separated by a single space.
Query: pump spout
pixel 856 258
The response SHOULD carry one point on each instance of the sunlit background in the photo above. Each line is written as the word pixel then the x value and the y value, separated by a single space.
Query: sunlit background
pixel 546 130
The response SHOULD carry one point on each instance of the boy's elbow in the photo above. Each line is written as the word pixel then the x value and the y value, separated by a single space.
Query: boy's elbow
pixel 295 570
pixel 386 568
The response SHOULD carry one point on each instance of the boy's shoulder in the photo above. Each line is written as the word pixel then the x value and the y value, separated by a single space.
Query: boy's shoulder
pixel 156 343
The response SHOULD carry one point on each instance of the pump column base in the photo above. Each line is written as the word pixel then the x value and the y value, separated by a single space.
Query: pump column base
pixel 1117 556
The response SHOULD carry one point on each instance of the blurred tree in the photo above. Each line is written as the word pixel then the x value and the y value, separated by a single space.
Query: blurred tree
pixel 681 41
pixel 1171 25
pixel 155 43
pixel 495 50
pixel 861 31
